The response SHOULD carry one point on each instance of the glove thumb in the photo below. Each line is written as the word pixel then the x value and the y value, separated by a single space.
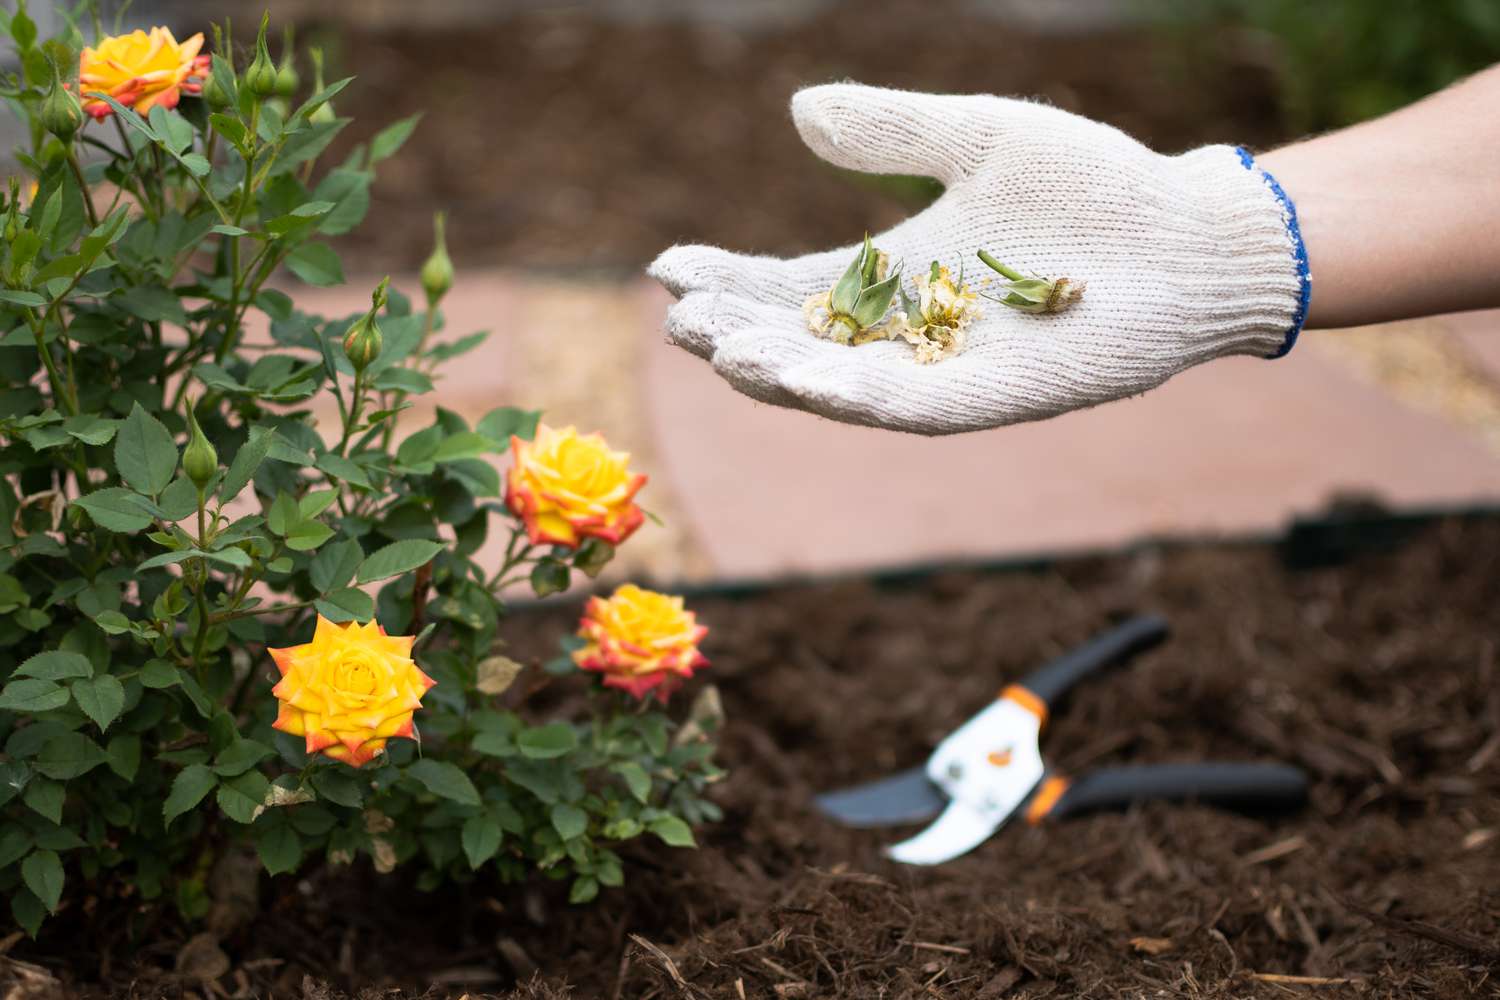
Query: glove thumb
pixel 880 131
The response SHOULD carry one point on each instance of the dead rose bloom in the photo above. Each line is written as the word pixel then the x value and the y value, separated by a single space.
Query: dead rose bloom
pixel 936 323
pixel 1033 294
pixel 851 312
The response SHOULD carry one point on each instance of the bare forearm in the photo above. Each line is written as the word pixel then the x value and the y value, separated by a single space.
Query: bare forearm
pixel 1401 215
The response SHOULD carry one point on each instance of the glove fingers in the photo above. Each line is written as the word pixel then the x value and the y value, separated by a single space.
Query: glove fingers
pixel 698 321
pixel 753 360
pixel 880 131
pixel 772 280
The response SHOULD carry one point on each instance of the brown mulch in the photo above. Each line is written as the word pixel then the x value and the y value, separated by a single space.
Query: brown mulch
pixel 1378 675
pixel 560 140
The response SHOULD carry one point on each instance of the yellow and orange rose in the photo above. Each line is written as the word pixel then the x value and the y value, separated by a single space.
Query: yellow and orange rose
pixel 349 690
pixel 141 71
pixel 567 486
pixel 643 642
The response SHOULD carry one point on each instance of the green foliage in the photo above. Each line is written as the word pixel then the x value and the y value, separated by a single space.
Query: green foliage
pixel 141 583
pixel 1343 61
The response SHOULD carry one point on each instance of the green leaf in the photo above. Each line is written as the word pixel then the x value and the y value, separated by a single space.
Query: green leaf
pixel 188 789
pixel 481 836
pixel 158 674
pixel 569 821
pixel 123 755
pixel 112 622
pixel 45 797
pixel 283 514
pixel 241 795
pixel 116 509
pixel 465 444
pixel 338 787
pixel 316 502
pixel 552 740
pixel 232 557
pixel 280 849
pixel 305 536
pixel 583 890
pixel 549 576
pixel 347 605
pixel 444 780
pixel 397 558
pixel 392 137
pixel 69 755
pixel 500 424
pixel 56 665
pixel 20 298
pixel 154 304
pixel 240 756
pixel 343 468
pixel 31 695
pixel 91 429
pixel 145 453
pixel 28 911
pixel 673 831
pixel 316 264
pixel 42 871
pixel 334 566
pixel 246 461
pixel 636 779
pixel 15 841
pixel 101 698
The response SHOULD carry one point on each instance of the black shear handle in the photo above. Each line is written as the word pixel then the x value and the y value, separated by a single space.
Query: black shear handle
pixel 1251 786
pixel 1051 682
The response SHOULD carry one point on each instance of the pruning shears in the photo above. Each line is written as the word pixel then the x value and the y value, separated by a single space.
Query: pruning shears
pixel 990 768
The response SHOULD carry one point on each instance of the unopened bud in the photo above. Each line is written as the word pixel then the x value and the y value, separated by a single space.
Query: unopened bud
pixel 437 272
pixel 363 341
pixel 215 95
pixel 323 113
pixel 199 460
pixel 287 79
pixel 60 114
pixel 260 76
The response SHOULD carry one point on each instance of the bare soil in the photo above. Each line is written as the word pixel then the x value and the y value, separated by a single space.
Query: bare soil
pixel 561 141
pixel 1374 668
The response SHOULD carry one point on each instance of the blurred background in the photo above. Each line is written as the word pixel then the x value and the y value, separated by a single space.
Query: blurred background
pixel 572 142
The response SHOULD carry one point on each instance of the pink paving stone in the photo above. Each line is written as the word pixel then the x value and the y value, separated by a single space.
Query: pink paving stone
pixel 1238 445
pixel 1480 333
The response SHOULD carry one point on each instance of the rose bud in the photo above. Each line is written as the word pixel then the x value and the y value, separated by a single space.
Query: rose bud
pixel 323 113
pixel 60 114
pixel 260 76
pixel 199 460
pixel 1033 294
pixel 287 79
pixel 363 340
pixel 850 313
pixel 349 690
pixel 642 642
pixel 437 272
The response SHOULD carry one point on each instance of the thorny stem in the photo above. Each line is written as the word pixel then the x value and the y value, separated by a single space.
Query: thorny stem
pixel 83 187
pixel 356 402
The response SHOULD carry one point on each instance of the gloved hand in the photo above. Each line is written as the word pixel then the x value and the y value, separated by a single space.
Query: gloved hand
pixel 1186 258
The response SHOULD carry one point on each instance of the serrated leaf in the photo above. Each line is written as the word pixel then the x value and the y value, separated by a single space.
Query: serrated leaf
pixel 552 740
pixel 304 536
pixel 481 837
pixel 397 558
pixel 116 509
pixel 188 789
pixel 334 566
pixel 240 756
pixel 673 831
pixel 42 871
pixel 56 665
pixel 391 138
pixel 45 797
pixel 347 605
pixel 569 821
pixel 636 779
pixel 242 795
pixel 123 755
pixel 68 755
pixel 101 698
pixel 343 468
pixel 91 428
pixel 31 695
pixel 338 787
pixel 280 849
pixel 316 264
pixel 444 780
pixel 246 461
pixel 145 453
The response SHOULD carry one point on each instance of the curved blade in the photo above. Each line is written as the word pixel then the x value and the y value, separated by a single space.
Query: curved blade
pixel 907 797
pixel 959 830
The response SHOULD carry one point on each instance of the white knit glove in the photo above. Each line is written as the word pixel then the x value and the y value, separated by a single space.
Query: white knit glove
pixel 1186 258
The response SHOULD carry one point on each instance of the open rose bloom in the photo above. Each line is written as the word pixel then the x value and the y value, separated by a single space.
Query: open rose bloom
pixel 641 641
pixel 349 690
pixel 141 71
pixel 567 486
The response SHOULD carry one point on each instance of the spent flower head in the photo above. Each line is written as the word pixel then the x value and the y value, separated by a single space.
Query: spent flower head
pixel 1032 294
pixel 851 312
pixel 936 323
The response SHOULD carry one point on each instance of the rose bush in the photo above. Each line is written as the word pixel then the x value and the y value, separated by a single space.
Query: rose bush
pixel 226 620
